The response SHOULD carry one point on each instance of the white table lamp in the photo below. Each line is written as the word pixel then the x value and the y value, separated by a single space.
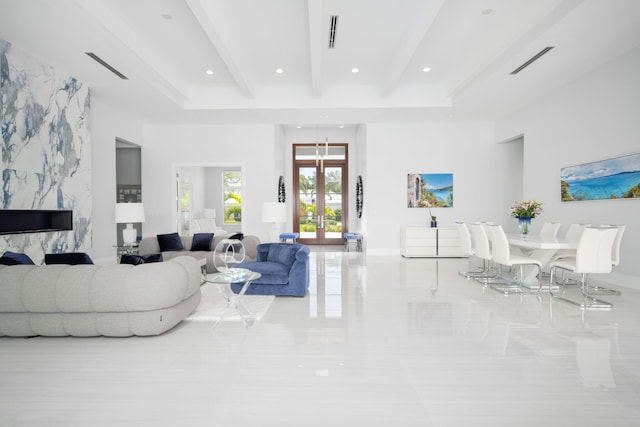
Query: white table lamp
pixel 128 213
pixel 274 213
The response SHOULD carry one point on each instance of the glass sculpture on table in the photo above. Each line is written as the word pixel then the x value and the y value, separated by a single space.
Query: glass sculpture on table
pixel 227 254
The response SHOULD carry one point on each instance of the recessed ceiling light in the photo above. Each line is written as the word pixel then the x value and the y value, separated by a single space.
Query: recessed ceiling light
pixel 298 127
pixel 341 126
pixel 486 11
pixel 167 16
pixel 354 70
pixel 209 72
pixel 426 69
pixel 279 71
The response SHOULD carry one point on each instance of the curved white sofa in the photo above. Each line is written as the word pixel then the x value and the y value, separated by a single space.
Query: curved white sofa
pixel 91 300
pixel 149 245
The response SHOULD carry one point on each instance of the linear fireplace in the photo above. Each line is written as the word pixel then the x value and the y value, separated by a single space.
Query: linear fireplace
pixel 16 221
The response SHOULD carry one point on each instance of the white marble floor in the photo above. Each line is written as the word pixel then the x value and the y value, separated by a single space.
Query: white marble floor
pixel 379 341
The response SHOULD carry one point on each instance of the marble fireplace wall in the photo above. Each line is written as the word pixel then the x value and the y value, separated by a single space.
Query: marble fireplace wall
pixel 46 151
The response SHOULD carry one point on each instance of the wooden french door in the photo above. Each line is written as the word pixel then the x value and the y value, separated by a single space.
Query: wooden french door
pixel 320 192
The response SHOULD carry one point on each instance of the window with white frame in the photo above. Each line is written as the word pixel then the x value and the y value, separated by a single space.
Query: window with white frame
pixel 232 196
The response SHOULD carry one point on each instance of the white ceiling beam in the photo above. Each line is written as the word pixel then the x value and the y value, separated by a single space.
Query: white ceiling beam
pixel 408 49
pixel 315 46
pixel 216 40
pixel 156 70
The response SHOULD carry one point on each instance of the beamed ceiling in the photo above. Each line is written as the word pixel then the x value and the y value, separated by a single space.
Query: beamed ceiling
pixel 471 47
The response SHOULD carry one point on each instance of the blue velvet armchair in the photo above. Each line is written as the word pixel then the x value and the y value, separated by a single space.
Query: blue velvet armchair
pixel 284 268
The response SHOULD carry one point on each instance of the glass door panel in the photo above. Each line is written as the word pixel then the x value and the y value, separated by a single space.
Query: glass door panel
pixel 307 206
pixel 332 220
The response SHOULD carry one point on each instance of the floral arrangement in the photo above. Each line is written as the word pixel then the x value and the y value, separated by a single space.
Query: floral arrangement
pixel 526 209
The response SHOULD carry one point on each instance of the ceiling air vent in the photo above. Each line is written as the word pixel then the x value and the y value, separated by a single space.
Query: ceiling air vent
pixel 531 60
pixel 106 65
pixel 332 31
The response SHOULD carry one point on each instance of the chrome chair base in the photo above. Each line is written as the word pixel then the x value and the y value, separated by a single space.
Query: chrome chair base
pixel 586 301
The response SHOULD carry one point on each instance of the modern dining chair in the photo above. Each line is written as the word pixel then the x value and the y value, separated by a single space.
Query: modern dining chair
pixel 593 255
pixel 550 230
pixel 466 246
pixel 502 256
pixel 573 234
pixel 482 250
pixel 615 261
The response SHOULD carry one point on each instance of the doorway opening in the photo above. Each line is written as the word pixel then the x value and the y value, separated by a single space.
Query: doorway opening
pixel 320 179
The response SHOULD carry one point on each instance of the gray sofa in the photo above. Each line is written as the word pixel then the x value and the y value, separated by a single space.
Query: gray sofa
pixel 149 245
pixel 91 300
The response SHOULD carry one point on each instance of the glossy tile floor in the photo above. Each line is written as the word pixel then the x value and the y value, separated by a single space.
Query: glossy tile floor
pixel 379 341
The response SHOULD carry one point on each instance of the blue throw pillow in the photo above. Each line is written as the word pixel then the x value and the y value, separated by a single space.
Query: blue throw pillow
pixel 170 242
pixel 131 259
pixel 12 258
pixel 140 259
pixel 152 258
pixel 202 242
pixel 71 258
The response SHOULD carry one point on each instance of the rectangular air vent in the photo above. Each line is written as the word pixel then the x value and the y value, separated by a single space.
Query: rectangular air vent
pixel 333 24
pixel 106 65
pixel 531 60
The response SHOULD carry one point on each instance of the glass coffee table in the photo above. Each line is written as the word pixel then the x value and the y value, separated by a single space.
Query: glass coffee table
pixel 223 281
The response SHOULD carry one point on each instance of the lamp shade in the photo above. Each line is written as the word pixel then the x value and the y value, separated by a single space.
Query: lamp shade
pixel 274 212
pixel 129 212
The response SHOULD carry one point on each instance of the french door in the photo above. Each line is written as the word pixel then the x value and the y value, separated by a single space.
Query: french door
pixel 320 195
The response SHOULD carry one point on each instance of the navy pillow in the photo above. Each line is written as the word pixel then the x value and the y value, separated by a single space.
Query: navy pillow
pixel 152 258
pixel 12 258
pixel 170 242
pixel 237 236
pixel 140 259
pixel 131 259
pixel 202 242
pixel 71 258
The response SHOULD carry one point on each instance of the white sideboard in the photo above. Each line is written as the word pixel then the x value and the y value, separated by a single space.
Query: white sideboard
pixel 430 242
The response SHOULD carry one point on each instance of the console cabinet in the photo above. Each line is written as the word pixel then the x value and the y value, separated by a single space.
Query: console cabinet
pixel 430 242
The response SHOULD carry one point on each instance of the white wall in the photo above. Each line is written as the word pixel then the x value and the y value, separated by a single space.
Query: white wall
pixel 249 146
pixel 594 118
pixel 467 150
pixel 107 124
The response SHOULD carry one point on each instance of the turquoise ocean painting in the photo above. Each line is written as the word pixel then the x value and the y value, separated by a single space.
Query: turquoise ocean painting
pixel 617 178
pixel 430 190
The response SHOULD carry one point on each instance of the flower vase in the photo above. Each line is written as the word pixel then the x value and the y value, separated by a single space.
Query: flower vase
pixel 434 224
pixel 524 224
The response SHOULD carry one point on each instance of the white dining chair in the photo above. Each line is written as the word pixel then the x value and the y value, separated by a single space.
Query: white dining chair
pixel 615 261
pixel 593 255
pixel 502 256
pixel 466 247
pixel 550 230
pixel 482 250
pixel 573 233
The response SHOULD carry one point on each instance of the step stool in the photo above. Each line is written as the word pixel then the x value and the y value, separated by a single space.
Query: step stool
pixel 353 238
pixel 289 236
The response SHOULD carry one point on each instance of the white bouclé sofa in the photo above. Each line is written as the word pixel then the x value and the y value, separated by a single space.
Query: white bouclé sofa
pixel 91 300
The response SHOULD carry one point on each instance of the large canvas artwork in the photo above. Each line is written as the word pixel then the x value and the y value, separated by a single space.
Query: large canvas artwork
pixel 429 190
pixel 617 178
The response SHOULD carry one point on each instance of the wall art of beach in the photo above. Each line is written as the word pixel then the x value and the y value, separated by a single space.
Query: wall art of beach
pixel 617 178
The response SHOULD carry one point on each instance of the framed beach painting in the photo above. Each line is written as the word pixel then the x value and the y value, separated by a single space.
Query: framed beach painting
pixel 429 190
pixel 617 178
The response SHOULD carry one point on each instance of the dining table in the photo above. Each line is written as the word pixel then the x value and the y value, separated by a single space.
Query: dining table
pixel 542 248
